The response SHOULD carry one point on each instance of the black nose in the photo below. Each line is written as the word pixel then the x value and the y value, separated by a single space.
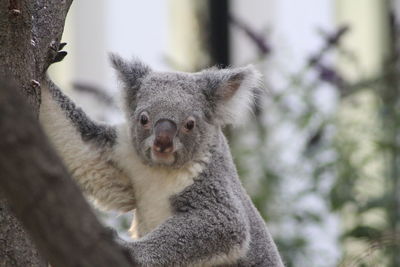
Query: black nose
pixel 164 131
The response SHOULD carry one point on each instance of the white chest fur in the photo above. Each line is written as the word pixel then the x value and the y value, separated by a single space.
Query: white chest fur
pixel 153 187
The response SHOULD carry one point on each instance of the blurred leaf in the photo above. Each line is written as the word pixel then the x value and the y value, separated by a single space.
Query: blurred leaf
pixel 364 231
pixel 308 216
pixel 374 203
pixel 341 194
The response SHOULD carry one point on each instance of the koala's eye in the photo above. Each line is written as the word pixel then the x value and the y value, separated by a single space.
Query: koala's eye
pixel 144 118
pixel 189 124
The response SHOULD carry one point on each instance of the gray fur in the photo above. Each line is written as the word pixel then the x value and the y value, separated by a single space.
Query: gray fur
pixel 210 218
pixel 131 75
pixel 212 221
pixel 89 130
pixel 214 215
pixel 87 150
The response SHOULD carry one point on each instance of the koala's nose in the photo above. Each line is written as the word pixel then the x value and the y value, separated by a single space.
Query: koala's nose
pixel 164 131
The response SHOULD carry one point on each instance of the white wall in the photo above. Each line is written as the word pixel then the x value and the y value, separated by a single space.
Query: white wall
pixel 96 27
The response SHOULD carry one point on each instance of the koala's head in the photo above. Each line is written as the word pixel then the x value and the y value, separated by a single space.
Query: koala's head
pixel 174 117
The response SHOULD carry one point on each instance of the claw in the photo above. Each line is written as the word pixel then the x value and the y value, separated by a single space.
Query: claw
pixel 61 46
pixel 60 56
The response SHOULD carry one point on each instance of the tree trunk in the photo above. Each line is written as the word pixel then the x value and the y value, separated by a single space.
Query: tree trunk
pixel 32 177
pixel 16 249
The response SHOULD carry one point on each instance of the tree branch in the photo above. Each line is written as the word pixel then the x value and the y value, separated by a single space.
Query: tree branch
pixel 43 195
pixel 32 177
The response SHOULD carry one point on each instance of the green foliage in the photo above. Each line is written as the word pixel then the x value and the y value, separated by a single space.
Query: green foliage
pixel 364 232
pixel 329 166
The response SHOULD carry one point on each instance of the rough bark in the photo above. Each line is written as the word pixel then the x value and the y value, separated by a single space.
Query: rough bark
pixel 15 248
pixel 43 195
pixel 32 177
pixel 30 32
pixel 23 49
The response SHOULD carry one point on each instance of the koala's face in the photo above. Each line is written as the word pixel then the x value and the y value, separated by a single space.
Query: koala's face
pixel 168 119
pixel 175 117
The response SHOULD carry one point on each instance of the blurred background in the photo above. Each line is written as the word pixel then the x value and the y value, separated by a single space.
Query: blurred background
pixel 320 154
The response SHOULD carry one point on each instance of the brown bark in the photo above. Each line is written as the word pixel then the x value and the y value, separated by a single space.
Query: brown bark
pixel 29 35
pixel 43 195
pixel 32 177
pixel 15 248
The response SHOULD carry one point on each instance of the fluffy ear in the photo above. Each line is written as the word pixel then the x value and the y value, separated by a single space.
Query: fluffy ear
pixel 230 92
pixel 131 73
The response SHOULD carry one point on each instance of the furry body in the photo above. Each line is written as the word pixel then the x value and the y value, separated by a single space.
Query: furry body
pixel 192 211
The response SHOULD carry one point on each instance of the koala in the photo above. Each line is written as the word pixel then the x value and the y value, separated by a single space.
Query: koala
pixel 170 162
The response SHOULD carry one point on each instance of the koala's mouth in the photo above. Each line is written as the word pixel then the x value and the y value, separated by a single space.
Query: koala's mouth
pixel 164 158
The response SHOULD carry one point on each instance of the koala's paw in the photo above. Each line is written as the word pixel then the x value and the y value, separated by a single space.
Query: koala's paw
pixel 59 54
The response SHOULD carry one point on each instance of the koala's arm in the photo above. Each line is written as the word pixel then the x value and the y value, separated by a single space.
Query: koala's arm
pixel 205 237
pixel 87 150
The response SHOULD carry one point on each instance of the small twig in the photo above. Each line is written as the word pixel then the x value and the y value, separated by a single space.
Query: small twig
pixel 257 38
pixel 97 92
pixel 331 41
pixel 366 83
pixel 386 240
